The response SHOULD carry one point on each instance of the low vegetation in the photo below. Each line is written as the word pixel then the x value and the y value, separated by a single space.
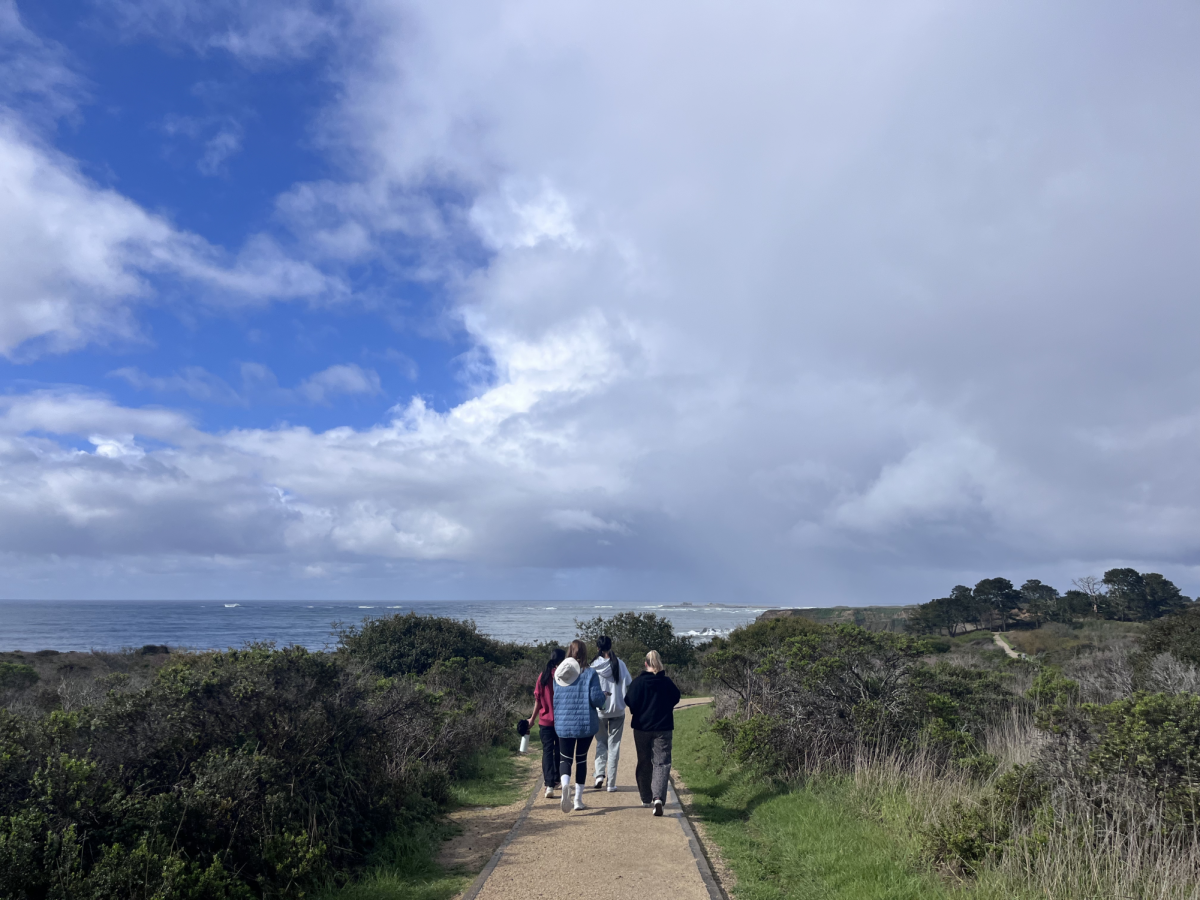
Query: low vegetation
pixel 1072 772
pixel 258 772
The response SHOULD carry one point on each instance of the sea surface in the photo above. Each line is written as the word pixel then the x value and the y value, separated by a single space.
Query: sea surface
pixel 32 625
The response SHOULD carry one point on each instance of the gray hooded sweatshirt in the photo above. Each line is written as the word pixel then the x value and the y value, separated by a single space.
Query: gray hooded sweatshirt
pixel 614 688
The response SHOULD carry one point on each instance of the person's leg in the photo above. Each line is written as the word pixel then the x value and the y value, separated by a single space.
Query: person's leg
pixel 566 748
pixel 601 750
pixel 549 755
pixel 581 751
pixel 662 763
pixel 645 766
pixel 566 756
pixel 614 749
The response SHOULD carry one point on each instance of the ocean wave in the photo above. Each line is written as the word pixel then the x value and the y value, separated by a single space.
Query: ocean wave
pixel 231 605
pixel 366 607
pixel 602 607
pixel 549 607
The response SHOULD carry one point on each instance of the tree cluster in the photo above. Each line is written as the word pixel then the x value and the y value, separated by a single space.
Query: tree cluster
pixel 994 603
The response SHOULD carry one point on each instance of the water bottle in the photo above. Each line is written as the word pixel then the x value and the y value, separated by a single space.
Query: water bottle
pixel 524 743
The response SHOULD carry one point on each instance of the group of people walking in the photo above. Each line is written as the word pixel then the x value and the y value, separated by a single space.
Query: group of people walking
pixel 574 702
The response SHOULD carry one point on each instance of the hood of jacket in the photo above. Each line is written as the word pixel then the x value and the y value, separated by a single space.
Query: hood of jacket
pixel 568 670
pixel 603 668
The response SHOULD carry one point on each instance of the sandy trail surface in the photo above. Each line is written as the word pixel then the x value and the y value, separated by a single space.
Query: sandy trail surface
pixel 614 849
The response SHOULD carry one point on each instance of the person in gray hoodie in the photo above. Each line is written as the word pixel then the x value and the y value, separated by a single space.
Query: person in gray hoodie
pixel 615 680
pixel 577 694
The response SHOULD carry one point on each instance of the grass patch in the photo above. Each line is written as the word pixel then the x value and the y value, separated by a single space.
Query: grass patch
pixel 406 866
pixel 799 843
pixel 495 776
pixel 1057 643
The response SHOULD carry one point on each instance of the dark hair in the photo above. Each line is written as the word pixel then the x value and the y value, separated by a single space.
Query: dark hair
pixel 557 655
pixel 604 645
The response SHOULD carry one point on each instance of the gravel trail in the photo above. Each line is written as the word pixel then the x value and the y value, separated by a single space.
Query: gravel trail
pixel 614 849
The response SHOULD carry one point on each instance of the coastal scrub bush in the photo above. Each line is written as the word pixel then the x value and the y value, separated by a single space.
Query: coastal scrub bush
pixel 252 773
pixel 1178 635
pixel 16 676
pixel 824 693
pixel 635 633
pixel 412 644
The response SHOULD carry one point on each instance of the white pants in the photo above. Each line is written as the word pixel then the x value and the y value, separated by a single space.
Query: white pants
pixel 608 747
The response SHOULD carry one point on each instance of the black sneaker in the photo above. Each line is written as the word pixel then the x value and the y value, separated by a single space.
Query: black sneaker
pixel 658 807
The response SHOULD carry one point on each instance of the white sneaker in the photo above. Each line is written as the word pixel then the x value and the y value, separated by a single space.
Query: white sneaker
pixel 658 807
pixel 611 788
pixel 645 806
pixel 549 793
pixel 565 805
pixel 579 805
pixel 599 781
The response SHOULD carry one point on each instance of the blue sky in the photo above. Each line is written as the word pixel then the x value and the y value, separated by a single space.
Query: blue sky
pixel 209 141
pixel 789 303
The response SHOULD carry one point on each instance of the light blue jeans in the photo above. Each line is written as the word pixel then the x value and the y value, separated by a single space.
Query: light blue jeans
pixel 608 748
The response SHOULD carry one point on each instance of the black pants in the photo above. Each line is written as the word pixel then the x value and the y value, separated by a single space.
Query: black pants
pixel 653 765
pixel 549 755
pixel 578 749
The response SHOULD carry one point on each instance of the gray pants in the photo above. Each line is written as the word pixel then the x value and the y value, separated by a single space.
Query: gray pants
pixel 608 748
pixel 653 764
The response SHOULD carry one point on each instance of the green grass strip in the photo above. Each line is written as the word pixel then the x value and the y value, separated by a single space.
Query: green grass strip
pixel 797 844
pixel 406 866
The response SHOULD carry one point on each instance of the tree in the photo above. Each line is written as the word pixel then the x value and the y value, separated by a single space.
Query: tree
pixel 1091 586
pixel 1043 602
pixel 1126 594
pixel 952 613
pixel 1162 597
pixel 999 598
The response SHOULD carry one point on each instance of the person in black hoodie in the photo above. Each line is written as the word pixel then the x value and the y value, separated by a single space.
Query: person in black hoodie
pixel 651 700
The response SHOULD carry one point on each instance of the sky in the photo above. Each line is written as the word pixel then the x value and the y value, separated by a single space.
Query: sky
pixel 797 303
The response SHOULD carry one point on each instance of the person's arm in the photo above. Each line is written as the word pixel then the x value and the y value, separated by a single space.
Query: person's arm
pixel 537 702
pixel 633 696
pixel 674 693
pixel 596 693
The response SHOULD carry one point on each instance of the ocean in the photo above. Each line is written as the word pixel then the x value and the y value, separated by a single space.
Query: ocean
pixel 32 625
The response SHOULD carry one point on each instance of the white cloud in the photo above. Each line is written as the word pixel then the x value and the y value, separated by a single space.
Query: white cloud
pixel 75 258
pixel 817 303
pixel 339 380
pixel 256 31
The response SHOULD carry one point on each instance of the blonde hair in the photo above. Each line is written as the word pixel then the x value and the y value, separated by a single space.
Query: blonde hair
pixel 654 661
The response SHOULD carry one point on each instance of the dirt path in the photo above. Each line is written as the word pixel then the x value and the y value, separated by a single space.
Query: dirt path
pixel 483 828
pixel 614 849
pixel 1003 645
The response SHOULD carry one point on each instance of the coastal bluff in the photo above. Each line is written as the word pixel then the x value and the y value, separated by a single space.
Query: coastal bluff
pixel 872 618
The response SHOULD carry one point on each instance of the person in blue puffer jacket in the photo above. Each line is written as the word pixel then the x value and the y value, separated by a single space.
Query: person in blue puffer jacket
pixel 577 694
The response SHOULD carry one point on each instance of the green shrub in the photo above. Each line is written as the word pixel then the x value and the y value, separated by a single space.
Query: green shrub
pixel 17 676
pixel 412 644
pixel 636 633
pixel 1152 741
pixel 973 833
pixel 1178 635
pixel 252 773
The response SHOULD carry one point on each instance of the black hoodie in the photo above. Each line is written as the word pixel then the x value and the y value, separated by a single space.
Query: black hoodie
pixel 651 699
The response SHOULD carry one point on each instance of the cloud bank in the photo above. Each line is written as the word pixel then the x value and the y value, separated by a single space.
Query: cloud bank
pixel 802 303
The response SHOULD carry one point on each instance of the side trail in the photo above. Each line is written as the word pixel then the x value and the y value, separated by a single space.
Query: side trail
pixel 614 849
